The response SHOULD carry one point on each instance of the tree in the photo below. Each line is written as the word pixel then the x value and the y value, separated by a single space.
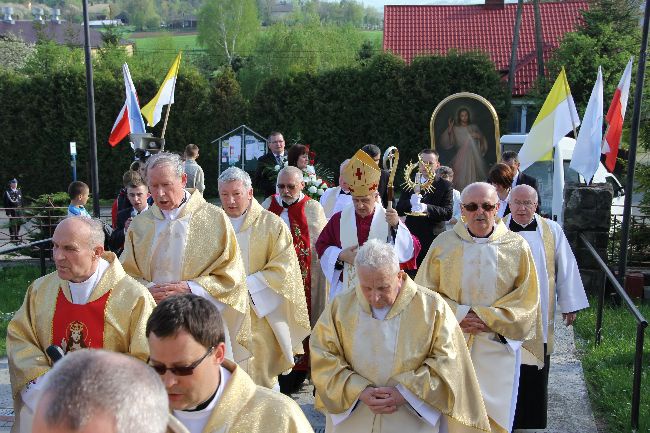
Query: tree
pixel 14 53
pixel 142 14
pixel 225 26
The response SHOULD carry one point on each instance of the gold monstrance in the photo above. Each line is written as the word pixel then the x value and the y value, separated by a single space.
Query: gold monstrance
pixel 415 184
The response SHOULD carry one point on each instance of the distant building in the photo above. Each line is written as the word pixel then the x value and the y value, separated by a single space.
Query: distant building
pixel 51 28
pixel 280 10
pixel 410 31
pixel 183 22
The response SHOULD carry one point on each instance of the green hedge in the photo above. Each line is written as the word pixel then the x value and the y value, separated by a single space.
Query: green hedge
pixel 42 113
pixel 385 102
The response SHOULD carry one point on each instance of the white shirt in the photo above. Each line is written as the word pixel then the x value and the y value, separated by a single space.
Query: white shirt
pixel 80 292
pixel 195 421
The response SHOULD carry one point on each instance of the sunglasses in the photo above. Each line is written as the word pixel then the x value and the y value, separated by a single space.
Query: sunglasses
pixel 181 371
pixel 290 187
pixel 473 207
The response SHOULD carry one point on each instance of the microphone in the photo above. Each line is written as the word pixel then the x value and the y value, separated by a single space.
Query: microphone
pixel 55 353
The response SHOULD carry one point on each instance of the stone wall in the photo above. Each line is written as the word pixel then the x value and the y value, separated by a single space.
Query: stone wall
pixel 587 210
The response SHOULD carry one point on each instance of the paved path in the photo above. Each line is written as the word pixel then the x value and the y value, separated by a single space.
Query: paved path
pixel 569 407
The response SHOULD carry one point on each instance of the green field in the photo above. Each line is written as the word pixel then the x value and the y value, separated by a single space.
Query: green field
pixel 170 41
pixel 184 41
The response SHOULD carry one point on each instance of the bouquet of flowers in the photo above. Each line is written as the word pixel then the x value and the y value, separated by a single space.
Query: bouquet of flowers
pixel 314 186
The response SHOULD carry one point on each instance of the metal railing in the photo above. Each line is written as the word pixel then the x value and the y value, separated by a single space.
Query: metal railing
pixel 42 246
pixel 642 323
pixel 638 246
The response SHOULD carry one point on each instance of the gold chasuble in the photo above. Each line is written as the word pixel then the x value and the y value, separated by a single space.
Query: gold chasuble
pixel 208 257
pixel 122 304
pixel 315 220
pixel 270 261
pixel 418 346
pixel 495 277
pixel 247 408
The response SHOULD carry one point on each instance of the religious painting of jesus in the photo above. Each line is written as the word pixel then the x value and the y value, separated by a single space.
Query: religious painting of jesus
pixel 464 131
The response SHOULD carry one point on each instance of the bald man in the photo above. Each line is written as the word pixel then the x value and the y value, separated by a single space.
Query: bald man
pixel 89 302
pixel 487 275
pixel 559 281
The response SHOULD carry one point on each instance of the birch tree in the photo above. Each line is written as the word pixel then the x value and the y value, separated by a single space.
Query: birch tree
pixel 225 26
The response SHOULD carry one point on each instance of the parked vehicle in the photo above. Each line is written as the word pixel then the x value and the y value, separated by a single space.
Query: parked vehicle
pixel 543 172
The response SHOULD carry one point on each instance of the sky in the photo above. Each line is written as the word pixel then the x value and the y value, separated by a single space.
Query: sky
pixel 379 4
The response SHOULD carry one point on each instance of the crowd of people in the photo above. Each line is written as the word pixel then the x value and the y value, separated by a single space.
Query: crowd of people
pixel 431 313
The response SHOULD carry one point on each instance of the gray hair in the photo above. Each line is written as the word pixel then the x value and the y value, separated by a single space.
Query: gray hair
pixel 443 170
pixel 524 188
pixel 233 174
pixel 484 185
pixel 174 161
pixel 292 171
pixel 343 164
pixel 95 227
pixel 377 254
pixel 85 383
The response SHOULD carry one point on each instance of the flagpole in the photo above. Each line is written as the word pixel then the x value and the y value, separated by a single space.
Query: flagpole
pixel 568 91
pixel 90 101
pixel 631 165
pixel 169 106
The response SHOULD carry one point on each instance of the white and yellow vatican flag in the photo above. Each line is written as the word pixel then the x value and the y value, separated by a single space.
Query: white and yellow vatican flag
pixel 153 110
pixel 557 118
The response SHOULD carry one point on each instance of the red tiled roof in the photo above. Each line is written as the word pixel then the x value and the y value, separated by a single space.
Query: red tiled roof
pixel 410 31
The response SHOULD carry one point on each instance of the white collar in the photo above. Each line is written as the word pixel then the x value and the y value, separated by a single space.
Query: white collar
pixel 173 214
pixel 80 292
pixel 238 221
pixel 207 411
pixel 380 313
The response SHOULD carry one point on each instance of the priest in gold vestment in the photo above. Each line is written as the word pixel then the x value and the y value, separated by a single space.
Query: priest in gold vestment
pixel 89 302
pixel 207 393
pixel 184 244
pixel 279 319
pixel 487 275
pixel 389 357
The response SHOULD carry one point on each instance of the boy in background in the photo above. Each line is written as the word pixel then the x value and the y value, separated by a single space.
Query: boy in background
pixel 78 192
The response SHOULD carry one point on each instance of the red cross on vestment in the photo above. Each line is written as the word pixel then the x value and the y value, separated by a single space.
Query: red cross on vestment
pixel 359 173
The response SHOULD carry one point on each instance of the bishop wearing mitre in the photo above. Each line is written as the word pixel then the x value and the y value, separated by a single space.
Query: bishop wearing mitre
pixel 350 228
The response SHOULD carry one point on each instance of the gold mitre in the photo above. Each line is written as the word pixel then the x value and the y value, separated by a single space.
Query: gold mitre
pixel 362 174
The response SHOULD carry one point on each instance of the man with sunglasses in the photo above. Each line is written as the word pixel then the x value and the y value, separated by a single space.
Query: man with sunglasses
pixel 207 392
pixel 487 275
pixel 559 279
pixel 305 218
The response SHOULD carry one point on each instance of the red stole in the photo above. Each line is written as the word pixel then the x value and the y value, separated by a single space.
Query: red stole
pixel 301 243
pixel 77 326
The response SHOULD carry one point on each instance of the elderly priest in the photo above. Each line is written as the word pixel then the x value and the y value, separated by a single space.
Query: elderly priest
pixel 279 319
pixel 389 356
pixel 559 280
pixel 184 244
pixel 487 275
pixel 89 302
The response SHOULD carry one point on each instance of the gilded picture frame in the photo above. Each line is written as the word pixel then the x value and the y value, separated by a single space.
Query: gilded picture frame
pixel 464 130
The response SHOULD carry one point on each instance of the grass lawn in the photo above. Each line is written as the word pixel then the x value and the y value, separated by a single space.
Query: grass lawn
pixel 171 41
pixel 183 41
pixel 609 367
pixel 15 280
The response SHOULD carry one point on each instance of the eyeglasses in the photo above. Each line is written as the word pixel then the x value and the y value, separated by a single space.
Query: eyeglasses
pixel 181 371
pixel 473 207
pixel 288 186
pixel 526 203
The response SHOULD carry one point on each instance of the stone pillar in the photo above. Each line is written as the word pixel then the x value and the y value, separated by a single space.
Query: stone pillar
pixel 587 210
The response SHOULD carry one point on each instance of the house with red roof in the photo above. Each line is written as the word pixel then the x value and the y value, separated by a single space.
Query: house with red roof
pixel 411 31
